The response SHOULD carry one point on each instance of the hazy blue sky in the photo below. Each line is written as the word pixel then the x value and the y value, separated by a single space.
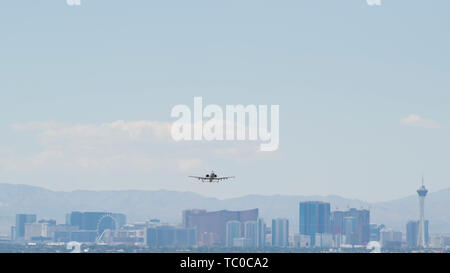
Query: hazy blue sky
pixel 364 94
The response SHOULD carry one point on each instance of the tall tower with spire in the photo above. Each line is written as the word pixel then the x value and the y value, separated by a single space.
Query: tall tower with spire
pixel 422 192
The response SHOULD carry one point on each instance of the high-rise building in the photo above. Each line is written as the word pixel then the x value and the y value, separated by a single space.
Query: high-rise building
pixel 43 230
pixel 374 231
pixel 251 233
pixel 74 219
pixel 354 224
pixel 21 221
pixel 261 234
pixel 13 233
pixel 120 219
pixel 390 239
pixel 280 232
pixel 91 220
pixel 211 226
pixel 314 217
pixel 422 192
pixel 233 230
pixel 350 230
pixel 412 233
pixel 170 236
pixel 96 221
pixel 337 222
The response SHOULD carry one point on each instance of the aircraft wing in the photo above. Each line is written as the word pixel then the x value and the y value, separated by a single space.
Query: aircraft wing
pixel 199 177
pixel 223 178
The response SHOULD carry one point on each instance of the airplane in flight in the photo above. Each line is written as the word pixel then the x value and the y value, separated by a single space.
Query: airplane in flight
pixel 212 177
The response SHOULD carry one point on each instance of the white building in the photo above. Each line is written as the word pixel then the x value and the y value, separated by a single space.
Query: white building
pixel 339 240
pixel 323 240
pixel 390 238
pixel 35 230
pixel 302 241
pixel 242 242
pixel 439 241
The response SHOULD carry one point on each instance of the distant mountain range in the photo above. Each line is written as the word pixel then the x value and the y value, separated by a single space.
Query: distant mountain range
pixel 167 206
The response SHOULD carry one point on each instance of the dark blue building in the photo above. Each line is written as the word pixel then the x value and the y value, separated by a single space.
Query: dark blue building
pixel 354 224
pixel 314 217
pixel 412 233
pixel 21 220
pixel 170 236
pixel 97 221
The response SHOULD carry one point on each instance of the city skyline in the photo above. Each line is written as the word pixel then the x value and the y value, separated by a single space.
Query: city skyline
pixel 230 229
